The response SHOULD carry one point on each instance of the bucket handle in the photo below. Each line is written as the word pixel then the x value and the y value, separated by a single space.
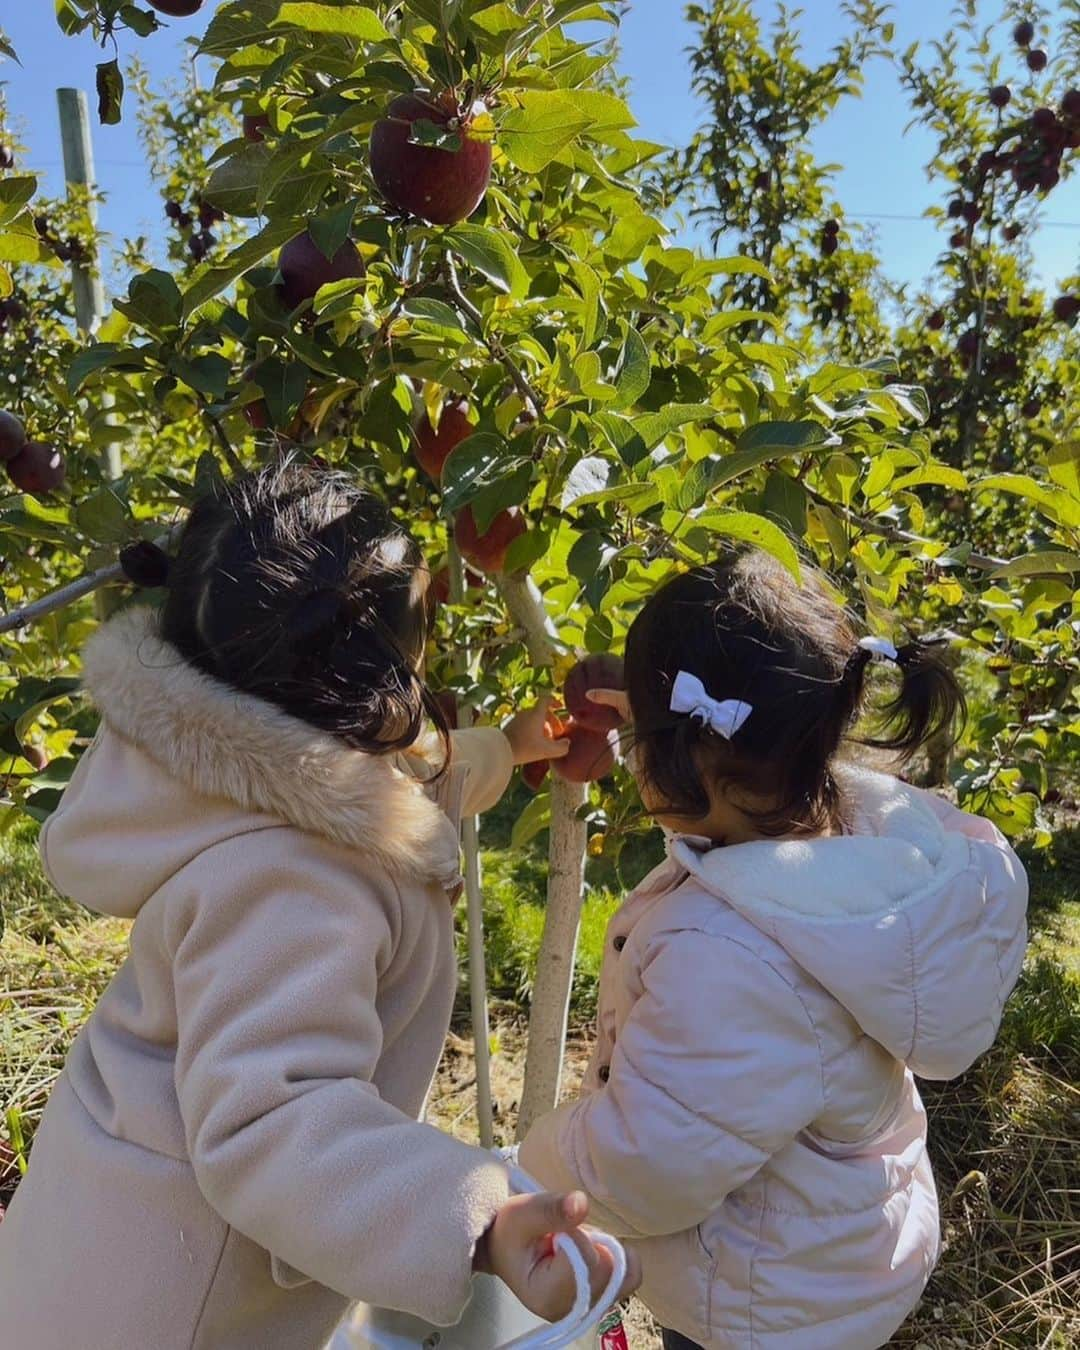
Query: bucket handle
pixel 584 1315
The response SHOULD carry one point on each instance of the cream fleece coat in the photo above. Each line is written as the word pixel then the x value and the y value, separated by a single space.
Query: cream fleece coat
pixel 750 1115
pixel 232 1153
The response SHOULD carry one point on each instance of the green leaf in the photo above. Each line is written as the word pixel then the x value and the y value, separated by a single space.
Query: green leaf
pixel 533 134
pixel 1047 562
pixel 15 192
pixel 939 475
pixel 488 251
pixel 636 497
pixel 1063 466
pixel 772 440
pixel 234 185
pixel 784 500
pixel 535 817
pixel 153 301
pixel 284 384
pixel 214 280
pixel 102 356
pixel 19 243
pixel 208 375
pixel 1053 501
pixel 331 229
pixel 434 312
pixel 353 21
pixel 105 518
pixel 140 21
pixel 753 529
pixel 635 371
pixel 841 478
pixel 480 461
pixel 110 92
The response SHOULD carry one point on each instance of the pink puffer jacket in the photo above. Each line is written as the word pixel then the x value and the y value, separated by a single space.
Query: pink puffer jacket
pixel 750 1116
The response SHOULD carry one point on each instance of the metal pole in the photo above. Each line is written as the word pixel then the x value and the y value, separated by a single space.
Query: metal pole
pixel 474 903
pixel 85 273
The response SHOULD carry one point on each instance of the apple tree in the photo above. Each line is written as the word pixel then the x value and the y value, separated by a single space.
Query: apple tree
pixel 453 277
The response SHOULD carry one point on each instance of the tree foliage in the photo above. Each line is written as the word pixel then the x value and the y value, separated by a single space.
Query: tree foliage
pixel 639 404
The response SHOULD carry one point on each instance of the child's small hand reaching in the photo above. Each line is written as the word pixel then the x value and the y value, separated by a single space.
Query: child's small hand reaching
pixel 519 1248
pixel 530 736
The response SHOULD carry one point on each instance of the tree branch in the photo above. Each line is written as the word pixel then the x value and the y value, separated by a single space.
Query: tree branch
pixel 981 561
pixel 74 590
pixel 530 397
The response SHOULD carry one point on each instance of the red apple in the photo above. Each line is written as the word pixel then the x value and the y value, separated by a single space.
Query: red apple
pixel 1066 308
pixel 12 436
pixel 33 754
pixel 1024 33
pixel 440 186
pixel 177 9
pixel 591 755
pixel 432 446
pixel 1000 95
pixel 533 774
pixel 37 468
pixel 305 268
pixel 488 551
pixel 595 672
pixel 254 126
pixel 1037 59
pixel 1070 104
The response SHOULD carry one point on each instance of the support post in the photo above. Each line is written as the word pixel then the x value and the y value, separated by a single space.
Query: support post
pixel 474 903
pixel 86 273
pixel 550 1009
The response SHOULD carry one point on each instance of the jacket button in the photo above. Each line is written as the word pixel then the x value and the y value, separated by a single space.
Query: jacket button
pixel 619 943
pixel 605 1073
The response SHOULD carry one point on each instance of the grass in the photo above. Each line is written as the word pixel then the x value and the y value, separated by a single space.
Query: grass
pixel 1003 1138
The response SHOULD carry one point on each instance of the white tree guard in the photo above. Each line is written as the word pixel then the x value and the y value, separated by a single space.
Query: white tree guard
pixel 566 879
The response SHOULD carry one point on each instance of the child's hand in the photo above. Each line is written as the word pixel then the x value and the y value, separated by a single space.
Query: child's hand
pixel 530 737
pixel 519 1248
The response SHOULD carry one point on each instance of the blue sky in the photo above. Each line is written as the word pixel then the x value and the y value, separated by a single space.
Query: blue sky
pixel 883 175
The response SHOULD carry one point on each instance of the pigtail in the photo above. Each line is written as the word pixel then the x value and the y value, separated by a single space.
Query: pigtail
pixel 928 704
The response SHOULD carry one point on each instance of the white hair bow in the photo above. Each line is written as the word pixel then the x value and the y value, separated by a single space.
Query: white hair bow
pixel 724 716
pixel 880 647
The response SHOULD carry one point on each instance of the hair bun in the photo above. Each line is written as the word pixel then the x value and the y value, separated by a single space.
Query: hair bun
pixel 145 564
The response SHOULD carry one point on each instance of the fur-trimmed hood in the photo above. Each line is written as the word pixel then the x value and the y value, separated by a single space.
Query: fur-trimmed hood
pixel 221 746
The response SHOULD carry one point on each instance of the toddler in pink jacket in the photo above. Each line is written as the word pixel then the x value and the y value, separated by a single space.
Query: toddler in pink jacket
pixel 818 935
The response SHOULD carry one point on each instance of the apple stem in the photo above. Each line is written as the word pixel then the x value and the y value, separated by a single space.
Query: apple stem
pixel 530 397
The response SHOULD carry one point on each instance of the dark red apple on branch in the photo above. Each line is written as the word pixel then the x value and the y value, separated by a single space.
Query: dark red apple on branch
pixel 255 124
pixel 177 9
pixel 594 672
pixel 533 775
pixel 12 436
pixel 305 268
pixel 487 551
pixel 37 468
pixel 440 185
pixel 432 445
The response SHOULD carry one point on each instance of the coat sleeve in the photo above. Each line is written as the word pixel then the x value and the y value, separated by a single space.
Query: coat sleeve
pixel 486 753
pixel 277 963
pixel 715 1070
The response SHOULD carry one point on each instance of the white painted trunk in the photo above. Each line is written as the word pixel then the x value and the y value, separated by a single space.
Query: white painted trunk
pixel 566 879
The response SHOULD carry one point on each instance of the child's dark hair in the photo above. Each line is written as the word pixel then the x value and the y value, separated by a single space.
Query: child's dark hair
pixel 745 628
pixel 296 585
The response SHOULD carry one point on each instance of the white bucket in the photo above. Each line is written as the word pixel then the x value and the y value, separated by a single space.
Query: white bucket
pixel 494 1319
